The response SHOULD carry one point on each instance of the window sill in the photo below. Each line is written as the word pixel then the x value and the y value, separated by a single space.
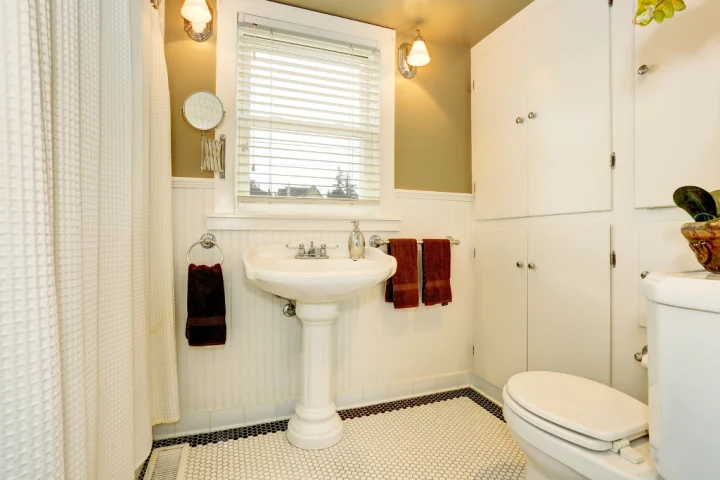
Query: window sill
pixel 292 222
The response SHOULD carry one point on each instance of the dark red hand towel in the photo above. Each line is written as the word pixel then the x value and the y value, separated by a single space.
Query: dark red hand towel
pixel 402 288
pixel 205 306
pixel 436 272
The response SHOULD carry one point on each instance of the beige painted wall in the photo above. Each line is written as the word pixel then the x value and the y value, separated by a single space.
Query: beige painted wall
pixel 191 67
pixel 432 122
pixel 432 115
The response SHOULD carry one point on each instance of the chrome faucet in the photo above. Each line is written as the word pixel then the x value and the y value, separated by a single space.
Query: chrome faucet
pixel 312 253
pixel 356 242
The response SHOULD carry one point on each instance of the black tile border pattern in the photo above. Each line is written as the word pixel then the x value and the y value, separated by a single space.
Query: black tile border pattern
pixel 348 414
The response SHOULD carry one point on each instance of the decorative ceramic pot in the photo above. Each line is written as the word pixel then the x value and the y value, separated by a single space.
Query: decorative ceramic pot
pixel 704 238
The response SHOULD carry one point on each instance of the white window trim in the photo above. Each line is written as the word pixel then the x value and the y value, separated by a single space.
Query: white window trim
pixel 228 12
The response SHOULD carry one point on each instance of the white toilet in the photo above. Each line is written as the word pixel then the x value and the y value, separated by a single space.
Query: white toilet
pixel 573 428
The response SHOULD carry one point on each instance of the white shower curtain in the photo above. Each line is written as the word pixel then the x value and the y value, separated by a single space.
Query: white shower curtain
pixel 87 352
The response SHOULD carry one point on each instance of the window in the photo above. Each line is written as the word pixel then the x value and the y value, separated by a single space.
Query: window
pixel 308 117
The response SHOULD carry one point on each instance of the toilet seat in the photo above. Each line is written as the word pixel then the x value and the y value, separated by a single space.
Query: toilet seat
pixel 580 411
pixel 542 447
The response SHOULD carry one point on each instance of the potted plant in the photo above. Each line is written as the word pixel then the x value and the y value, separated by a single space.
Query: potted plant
pixel 703 233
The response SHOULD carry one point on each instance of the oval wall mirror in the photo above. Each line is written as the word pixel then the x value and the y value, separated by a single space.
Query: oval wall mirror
pixel 203 110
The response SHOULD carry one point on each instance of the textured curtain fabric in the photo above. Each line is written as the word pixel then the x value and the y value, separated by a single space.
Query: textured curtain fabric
pixel 163 358
pixel 87 352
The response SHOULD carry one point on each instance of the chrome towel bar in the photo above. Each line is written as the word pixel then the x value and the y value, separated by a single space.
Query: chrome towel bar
pixel 207 240
pixel 377 241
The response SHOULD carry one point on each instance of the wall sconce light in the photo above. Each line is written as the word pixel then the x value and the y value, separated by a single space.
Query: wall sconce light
pixel 198 19
pixel 412 56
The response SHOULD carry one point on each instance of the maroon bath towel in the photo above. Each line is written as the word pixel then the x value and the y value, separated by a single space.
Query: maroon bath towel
pixel 402 288
pixel 205 306
pixel 436 272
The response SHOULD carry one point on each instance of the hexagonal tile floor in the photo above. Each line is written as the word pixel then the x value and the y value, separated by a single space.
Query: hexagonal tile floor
pixel 435 437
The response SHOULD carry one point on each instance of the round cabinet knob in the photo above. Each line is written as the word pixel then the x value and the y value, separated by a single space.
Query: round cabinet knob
pixel 531 115
pixel 531 266
pixel 520 264
pixel 643 69
pixel 519 120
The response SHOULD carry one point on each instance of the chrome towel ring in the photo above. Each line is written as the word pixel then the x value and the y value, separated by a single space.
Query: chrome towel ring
pixel 207 240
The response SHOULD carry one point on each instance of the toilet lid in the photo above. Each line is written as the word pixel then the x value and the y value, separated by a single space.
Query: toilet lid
pixel 579 404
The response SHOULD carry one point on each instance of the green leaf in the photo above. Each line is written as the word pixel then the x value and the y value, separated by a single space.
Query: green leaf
pixel 643 15
pixel 716 196
pixel 697 202
pixel 659 15
pixel 679 5
pixel 667 9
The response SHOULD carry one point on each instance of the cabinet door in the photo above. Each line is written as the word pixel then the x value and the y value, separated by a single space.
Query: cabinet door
pixel 498 142
pixel 677 104
pixel 569 300
pixel 500 305
pixel 569 138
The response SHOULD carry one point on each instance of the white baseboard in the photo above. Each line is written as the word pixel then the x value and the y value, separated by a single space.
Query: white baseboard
pixel 204 422
pixel 486 389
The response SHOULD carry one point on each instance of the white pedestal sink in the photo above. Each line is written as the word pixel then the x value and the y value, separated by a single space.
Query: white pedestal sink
pixel 317 286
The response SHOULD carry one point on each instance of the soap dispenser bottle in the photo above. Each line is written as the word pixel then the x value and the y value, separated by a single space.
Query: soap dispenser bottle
pixel 356 242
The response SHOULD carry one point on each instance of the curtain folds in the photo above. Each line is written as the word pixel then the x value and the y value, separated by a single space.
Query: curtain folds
pixel 87 344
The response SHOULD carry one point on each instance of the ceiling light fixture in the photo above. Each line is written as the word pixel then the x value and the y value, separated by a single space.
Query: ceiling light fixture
pixel 412 56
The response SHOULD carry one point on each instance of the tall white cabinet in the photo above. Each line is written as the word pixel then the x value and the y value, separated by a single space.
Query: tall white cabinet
pixel 677 104
pixel 546 193
pixel 542 146
pixel 543 302
pixel 541 113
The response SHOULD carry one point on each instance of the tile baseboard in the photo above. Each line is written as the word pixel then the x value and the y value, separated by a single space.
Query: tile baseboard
pixel 486 389
pixel 206 422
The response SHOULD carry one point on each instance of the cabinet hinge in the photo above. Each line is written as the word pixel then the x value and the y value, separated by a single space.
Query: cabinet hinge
pixel 474 187
pixel 473 84
pixel 473 253
pixel 612 160
pixel 473 350
pixel 613 259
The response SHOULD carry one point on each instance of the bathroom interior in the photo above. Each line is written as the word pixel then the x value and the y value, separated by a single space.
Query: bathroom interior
pixel 529 192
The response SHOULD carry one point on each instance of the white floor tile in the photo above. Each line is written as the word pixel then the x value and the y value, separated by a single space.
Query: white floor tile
pixel 451 439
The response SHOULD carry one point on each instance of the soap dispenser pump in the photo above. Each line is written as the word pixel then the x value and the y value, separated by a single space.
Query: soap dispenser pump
pixel 356 242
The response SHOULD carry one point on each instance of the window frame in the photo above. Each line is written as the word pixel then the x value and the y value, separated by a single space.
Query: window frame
pixel 229 14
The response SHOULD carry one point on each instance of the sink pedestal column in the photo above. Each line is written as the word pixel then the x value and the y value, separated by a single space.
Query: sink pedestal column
pixel 316 424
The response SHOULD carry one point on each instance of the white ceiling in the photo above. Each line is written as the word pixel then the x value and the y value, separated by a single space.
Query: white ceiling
pixel 463 22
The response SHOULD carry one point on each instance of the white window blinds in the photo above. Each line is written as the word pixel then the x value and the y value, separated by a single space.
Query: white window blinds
pixel 308 116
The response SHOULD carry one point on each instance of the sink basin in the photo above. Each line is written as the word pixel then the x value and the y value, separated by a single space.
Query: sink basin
pixel 275 269
pixel 317 286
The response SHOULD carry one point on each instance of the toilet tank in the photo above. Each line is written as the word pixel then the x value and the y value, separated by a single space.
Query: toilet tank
pixel 684 373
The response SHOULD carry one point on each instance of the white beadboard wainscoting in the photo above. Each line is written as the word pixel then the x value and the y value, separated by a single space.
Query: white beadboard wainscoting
pixel 381 353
